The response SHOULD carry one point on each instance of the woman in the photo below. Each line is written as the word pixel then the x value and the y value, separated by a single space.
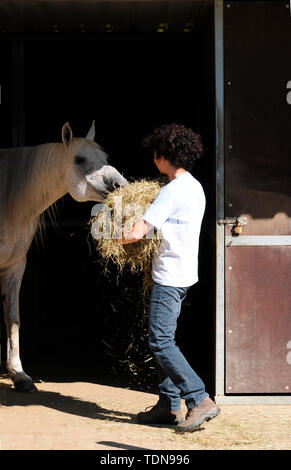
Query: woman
pixel 177 212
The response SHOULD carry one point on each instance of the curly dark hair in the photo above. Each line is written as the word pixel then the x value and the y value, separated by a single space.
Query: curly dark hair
pixel 178 144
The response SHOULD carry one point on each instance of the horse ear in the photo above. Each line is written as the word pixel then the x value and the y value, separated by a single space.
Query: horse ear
pixel 91 133
pixel 67 134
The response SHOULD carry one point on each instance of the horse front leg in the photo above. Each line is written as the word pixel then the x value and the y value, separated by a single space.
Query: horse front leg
pixel 10 286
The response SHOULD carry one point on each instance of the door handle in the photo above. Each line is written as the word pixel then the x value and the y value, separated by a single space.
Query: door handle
pixel 237 224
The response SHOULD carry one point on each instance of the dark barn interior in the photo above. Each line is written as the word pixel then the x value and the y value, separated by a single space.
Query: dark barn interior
pixel 76 323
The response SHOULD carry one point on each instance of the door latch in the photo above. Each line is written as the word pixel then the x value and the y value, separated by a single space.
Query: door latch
pixel 236 223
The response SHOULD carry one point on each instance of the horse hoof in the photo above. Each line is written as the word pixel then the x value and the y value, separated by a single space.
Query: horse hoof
pixel 25 386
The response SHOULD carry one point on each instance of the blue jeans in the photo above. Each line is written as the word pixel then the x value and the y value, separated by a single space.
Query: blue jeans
pixel 176 376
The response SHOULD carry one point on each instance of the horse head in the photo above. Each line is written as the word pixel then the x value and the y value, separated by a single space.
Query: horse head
pixel 88 176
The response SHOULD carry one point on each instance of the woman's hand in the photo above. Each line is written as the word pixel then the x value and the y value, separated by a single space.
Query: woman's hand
pixel 138 231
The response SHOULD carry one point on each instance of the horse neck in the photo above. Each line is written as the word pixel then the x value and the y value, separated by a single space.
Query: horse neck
pixel 38 175
pixel 51 170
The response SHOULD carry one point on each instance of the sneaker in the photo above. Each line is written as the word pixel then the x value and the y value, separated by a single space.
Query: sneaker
pixel 197 415
pixel 158 415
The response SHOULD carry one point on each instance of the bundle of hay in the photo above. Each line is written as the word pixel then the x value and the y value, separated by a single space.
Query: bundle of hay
pixel 121 210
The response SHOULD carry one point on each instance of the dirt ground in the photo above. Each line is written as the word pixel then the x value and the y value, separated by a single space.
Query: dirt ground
pixel 87 416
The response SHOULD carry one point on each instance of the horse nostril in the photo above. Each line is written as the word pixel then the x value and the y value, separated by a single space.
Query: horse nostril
pixel 116 185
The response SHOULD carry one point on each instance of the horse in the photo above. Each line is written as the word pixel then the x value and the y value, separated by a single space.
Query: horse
pixel 32 179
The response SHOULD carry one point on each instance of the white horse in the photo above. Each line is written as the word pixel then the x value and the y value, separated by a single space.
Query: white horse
pixel 31 180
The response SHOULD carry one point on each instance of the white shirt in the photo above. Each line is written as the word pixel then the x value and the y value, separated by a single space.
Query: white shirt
pixel 177 212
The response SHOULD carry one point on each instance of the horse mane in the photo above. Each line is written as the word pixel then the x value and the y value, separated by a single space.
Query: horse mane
pixel 26 173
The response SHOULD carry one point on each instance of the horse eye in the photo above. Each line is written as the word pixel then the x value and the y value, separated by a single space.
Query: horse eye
pixel 79 160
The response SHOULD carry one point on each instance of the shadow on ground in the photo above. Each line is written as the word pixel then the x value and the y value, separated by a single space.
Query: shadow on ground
pixel 117 445
pixel 9 397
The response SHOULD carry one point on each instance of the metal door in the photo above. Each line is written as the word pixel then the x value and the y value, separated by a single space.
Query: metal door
pixel 254 203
